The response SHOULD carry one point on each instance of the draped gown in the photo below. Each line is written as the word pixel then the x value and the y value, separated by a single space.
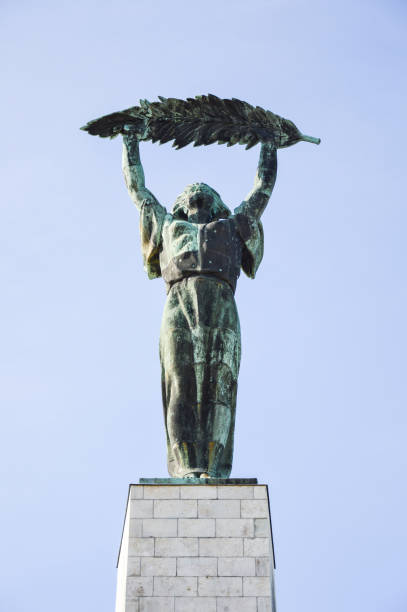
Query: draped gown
pixel 200 332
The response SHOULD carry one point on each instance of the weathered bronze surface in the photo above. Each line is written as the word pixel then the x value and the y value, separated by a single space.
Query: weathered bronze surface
pixel 199 249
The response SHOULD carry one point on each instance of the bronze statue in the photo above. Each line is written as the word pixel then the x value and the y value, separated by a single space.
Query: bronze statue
pixel 199 248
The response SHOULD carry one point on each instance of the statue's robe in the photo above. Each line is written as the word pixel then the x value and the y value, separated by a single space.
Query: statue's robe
pixel 200 333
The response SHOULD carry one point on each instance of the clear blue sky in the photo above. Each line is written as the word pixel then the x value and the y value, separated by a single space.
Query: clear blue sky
pixel 322 396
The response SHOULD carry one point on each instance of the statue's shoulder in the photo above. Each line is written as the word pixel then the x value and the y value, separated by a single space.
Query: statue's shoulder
pixel 168 218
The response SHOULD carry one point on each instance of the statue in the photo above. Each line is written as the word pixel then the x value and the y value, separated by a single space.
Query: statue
pixel 199 249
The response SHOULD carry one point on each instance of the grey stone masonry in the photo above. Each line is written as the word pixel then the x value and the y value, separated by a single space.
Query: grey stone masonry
pixel 191 548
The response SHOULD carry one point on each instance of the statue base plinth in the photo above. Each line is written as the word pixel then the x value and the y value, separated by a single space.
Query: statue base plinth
pixel 195 546
pixel 199 481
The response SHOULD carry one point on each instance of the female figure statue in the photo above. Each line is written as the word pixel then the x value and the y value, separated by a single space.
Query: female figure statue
pixel 199 249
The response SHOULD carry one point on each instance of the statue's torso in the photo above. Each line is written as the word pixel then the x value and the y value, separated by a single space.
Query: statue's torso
pixel 190 248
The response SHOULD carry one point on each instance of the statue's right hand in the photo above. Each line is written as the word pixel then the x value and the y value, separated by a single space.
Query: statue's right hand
pixel 130 127
pixel 138 130
pixel 132 135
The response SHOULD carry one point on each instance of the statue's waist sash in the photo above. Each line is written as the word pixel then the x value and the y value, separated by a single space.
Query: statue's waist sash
pixel 209 262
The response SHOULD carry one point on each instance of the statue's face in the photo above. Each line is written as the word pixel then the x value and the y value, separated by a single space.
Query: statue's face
pixel 199 203
pixel 199 196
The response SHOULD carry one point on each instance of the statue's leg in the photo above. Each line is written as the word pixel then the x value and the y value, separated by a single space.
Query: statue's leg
pixel 218 417
pixel 180 403
pixel 181 381
pixel 224 466
pixel 217 349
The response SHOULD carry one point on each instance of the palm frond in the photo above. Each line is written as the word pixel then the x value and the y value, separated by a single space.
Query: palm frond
pixel 202 120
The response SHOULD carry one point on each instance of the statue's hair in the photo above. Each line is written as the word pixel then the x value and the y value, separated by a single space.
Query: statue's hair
pixel 219 210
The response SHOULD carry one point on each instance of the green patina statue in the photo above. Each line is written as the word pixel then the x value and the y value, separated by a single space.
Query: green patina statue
pixel 199 249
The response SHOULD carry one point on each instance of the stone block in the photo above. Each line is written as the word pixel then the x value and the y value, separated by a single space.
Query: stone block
pixel 254 508
pixel 176 547
pixel 236 566
pixel 264 604
pixel 236 604
pixel 262 528
pixel 132 606
pixel 260 492
pixel 219 508
pixel 256 547
pixel 220 547
pixel 177 586
pixel 257 586
pixel 196 528
pixel 160 528
pixel 141 547
pixel 263 566
pixel 220 586
pixel 135 528
pixel 156 604
pixel 141 508
pixel 136 492
pixel 235 492
pixel 175 508
pixel 140 586
pixel 133 566
pixel 199 566
pixel 158 566
pixel 161 492
pixel 195 604
pixel 229 528
pixel 199 492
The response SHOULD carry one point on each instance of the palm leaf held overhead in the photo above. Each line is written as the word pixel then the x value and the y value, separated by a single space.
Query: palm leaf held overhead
pixel 202 120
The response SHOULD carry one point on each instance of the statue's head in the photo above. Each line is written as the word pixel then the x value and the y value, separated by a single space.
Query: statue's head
pixel 200 203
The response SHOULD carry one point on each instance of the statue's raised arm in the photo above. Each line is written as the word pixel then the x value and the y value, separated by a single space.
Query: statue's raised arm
pixel 152 214
pixel 133 171
pixel 257 199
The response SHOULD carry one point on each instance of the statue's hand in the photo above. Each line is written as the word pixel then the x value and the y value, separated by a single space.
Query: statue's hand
pixel 137 130
pixel 270 147
pixel 130 127
pixel 131 138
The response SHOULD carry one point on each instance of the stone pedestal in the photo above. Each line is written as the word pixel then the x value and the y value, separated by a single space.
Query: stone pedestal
pixel 196 548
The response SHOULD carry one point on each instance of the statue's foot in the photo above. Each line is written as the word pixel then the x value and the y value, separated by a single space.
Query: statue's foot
pixel 197 475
